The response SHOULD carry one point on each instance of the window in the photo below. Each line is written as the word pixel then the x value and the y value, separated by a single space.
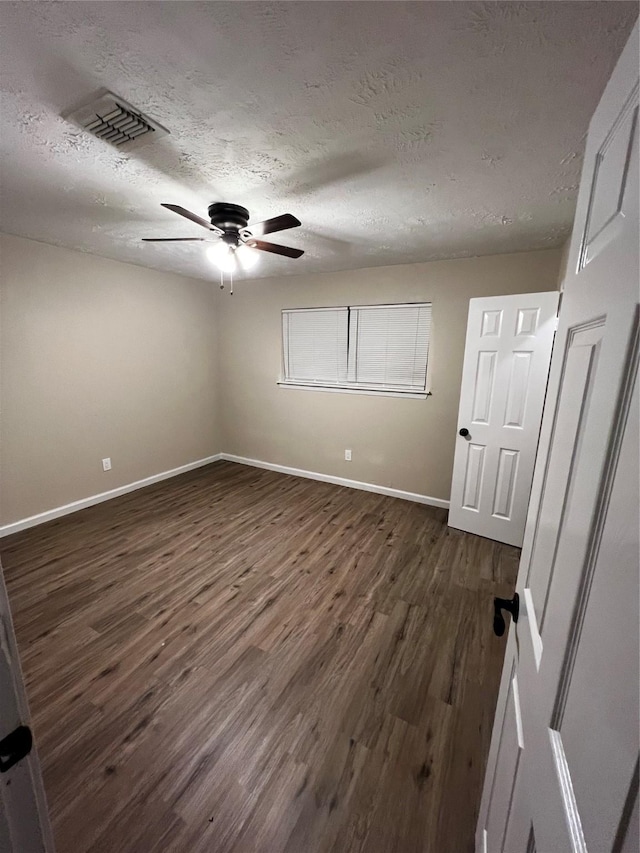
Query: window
pixel 366 348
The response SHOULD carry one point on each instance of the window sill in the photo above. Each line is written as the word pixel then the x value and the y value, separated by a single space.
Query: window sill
pixel 334 389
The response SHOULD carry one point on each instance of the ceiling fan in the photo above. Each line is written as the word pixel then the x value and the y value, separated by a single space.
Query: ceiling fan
pixel 232 238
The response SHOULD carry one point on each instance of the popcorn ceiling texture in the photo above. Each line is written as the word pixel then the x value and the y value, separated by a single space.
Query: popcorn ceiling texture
pixel 396 131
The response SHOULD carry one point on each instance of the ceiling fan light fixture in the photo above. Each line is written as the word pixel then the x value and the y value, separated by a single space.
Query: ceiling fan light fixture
pixel 223 256
pixel 247 257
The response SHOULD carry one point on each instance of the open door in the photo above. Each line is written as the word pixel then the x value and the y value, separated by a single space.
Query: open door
pixel 563 766
pixel 24 821
pixel 506 365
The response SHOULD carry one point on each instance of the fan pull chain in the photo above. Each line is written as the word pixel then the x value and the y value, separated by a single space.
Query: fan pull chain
pixel 230 281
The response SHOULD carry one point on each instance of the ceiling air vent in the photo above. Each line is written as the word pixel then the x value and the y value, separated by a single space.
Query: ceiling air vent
pixel 111 118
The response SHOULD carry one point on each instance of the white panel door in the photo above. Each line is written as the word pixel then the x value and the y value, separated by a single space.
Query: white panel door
pixel 568 781
pixel 506 364
pixel 24 822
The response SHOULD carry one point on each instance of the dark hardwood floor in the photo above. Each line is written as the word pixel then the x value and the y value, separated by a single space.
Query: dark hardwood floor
pixel 236 660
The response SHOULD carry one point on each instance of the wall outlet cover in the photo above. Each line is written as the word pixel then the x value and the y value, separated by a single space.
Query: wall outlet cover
pixel 347 455
pixel 106 464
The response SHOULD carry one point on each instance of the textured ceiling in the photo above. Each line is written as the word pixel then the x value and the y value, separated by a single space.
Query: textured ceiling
pixel 396 132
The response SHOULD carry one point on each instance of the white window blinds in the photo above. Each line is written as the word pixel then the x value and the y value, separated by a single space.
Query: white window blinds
pixel 367 348
pixel 391 346
pixel 315 345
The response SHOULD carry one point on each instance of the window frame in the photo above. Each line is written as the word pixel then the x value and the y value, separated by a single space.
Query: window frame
pixel 356 388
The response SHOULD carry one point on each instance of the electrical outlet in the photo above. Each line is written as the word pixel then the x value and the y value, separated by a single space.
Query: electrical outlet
pixel 347 456
pixel 106 464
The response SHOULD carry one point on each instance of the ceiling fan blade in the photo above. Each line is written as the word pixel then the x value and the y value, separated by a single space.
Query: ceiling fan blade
pixel 173 239
pixel 278 223
pixel 275 249
pixel 181 211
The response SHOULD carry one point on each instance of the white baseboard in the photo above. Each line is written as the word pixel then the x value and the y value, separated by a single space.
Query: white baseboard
pixel 339 481
pixel 59 511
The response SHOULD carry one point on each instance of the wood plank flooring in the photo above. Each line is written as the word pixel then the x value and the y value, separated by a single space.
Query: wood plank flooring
pixel 238 661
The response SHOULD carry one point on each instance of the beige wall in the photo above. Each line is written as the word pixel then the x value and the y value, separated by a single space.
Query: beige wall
pixel 564 263
pixel 399 443
pixel 98 358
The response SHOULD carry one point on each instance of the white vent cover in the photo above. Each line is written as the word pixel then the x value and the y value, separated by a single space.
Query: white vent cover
pixel 111 118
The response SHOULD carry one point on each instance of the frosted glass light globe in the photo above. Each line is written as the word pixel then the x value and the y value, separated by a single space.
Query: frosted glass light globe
pixel 247 257
pixel 223 256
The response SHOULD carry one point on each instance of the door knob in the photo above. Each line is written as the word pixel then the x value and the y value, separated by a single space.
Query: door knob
pixel 500 604
pixel 14 747
pixel 464 432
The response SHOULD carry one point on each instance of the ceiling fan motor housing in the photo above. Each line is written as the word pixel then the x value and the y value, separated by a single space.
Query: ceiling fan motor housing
pixel 229 217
